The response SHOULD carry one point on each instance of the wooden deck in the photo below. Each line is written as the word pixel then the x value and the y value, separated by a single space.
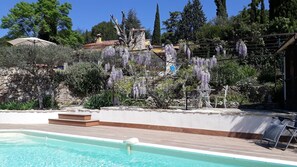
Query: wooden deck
pixel 194 141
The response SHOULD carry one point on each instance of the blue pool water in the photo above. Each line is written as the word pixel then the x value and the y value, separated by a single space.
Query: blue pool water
pixel 28 149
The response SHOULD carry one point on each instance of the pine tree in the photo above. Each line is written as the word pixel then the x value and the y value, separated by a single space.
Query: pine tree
pixel 221 9
pixel 193 18
pixel 132 20
pixel 185 25
pixel 172 26
pixel 156 40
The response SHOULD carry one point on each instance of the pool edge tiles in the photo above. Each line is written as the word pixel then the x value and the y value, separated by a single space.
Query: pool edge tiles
pixel 187 153
pixel 69 137
pixel 161 148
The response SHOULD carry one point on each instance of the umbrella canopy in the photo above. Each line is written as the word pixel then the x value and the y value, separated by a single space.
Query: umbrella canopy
pixel 30 41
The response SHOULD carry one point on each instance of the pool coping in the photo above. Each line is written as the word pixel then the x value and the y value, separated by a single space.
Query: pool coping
pixel 214 153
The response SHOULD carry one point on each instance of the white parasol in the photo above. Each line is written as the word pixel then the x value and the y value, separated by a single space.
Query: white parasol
pixel 30 41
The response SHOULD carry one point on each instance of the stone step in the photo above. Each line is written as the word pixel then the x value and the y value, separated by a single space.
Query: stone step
pixel 74 122
pixel 75 116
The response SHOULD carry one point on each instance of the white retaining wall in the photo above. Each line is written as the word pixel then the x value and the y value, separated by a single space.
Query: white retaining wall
pixel 26 117
pixel 215 119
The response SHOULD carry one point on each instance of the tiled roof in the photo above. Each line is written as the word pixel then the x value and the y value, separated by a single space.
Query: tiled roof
pixel 100 45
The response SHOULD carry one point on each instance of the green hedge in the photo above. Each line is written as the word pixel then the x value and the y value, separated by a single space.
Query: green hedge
pixel 19 105
pixel 29 105
pixel 103 99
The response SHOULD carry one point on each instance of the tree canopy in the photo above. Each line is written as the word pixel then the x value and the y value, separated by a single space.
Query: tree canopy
pixel 285 8
pixel 185 24
pixel 45 19
pixel 193 18
pixel 132 20
pixel 22 20
pixel 172 26
pixel 106 29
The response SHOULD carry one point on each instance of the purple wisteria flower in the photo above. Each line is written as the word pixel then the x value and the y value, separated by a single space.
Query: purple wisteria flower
pixel 213 62
pixel 107 67
pixel 185 48
pixel 140 59
pixel 241 48
pixel 144 58
pixel 218 49
pixel 115 75
pixel 187 51
pixel 109 82
pixel 108 52
pixel 197 71
pixel 125 56
pixel 139 88
pixel 201 67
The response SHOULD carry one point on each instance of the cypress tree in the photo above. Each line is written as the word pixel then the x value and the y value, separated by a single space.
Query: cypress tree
pixel 253 14
pixel 221 9
pixel 262 17
pixel 157 30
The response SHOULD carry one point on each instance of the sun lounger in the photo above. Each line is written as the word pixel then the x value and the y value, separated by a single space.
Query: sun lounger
pixel 293 132
pixel 273 133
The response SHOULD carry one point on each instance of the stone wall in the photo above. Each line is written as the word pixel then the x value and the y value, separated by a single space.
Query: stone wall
pixel 65 97
pixel 16 85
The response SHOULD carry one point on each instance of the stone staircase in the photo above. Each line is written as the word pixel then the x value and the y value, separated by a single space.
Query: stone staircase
pixel 73 119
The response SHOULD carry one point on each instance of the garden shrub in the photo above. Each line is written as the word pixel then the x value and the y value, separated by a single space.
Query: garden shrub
pixel 47 101
pixel 266 75
pixel 124 86
pixel 85 78
pixel 29 105
pixel 163 92
pixel 230 73
pixel 103 99
pixel 19 105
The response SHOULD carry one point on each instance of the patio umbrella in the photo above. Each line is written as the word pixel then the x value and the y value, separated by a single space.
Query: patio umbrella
pixel 30 41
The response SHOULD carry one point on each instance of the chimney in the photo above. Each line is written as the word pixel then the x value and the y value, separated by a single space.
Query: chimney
pixel 98 38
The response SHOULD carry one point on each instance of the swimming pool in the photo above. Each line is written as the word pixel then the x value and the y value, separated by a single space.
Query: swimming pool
pixel 36 148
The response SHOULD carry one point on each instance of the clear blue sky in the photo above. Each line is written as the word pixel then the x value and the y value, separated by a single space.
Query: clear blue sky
pixel 87 13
